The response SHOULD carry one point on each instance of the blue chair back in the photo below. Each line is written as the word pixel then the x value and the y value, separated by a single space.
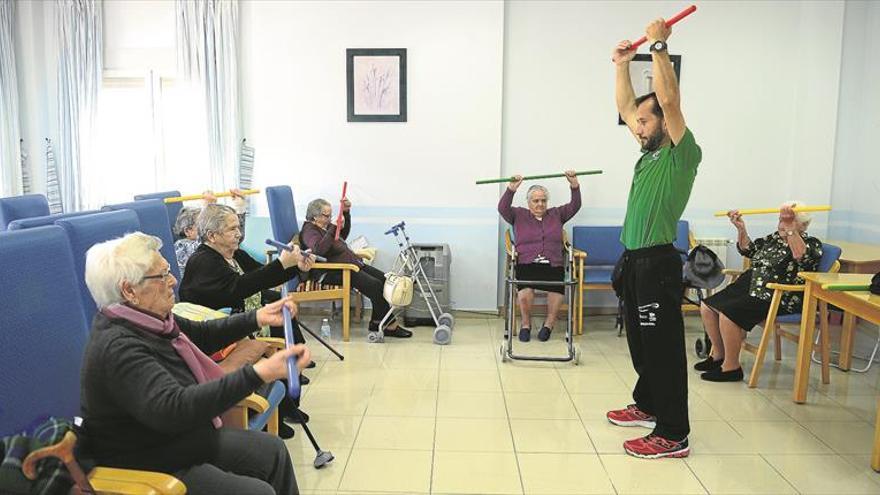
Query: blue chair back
pixel 682 236
pixel 173 209
pixel 153 218
pixel 282 217
pixel 26 206
pixel 43 329
pixel 30 223
pixel 601 243
pixel 88 230
pixel 830 254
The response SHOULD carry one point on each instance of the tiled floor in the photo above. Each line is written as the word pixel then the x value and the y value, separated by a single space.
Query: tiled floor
pixel 412 417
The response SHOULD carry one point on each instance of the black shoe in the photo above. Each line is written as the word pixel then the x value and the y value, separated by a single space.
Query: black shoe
pixel 525 334
pixel 285 431
pixel 298 419
pixel 544 334
pixel 304 380
pixel 717 375
pixel 399 332
pixel 311 365
pixel 708 364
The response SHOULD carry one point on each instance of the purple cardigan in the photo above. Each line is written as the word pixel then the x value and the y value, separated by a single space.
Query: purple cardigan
pixel 538 237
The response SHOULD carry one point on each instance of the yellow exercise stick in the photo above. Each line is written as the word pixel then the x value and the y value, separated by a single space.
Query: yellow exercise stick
pixel 224 194
pixel 761 211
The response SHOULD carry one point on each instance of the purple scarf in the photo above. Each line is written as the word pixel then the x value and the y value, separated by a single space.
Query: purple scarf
pixel 201 366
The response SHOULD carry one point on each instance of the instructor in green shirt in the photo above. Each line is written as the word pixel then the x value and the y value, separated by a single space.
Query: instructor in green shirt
pixel 648 276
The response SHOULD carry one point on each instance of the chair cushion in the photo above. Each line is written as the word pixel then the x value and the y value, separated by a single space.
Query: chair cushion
pixel 246 351
pixel 598 276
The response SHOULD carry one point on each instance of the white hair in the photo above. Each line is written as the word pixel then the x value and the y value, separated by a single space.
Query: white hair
pixel 109 263
pixel 537 187
pixel 315 208
pixel 212 218
pixel 800 217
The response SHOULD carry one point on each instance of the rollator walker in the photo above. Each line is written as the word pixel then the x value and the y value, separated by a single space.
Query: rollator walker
pixel 399 288
pixel 569 282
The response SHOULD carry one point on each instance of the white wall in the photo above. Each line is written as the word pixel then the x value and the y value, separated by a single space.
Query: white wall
pixel 856 185
pixel 422 171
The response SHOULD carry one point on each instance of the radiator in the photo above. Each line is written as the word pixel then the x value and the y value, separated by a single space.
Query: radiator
pixel 718 245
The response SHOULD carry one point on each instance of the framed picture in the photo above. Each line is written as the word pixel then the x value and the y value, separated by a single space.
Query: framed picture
pixel 376 84
pixel 641 73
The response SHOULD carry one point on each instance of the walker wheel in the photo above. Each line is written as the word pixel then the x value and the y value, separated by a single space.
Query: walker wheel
pixel 446 319
pixel 577 356
pixel 442 335
pixel 375 337
pixel 503 354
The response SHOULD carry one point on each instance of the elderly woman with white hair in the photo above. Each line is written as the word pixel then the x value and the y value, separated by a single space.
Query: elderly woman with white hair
pixel 539 250
pixel 732 312
pixel 152 399
pixel 319 235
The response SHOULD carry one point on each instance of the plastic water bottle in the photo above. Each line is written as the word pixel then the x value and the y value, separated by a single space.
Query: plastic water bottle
pixel 325 329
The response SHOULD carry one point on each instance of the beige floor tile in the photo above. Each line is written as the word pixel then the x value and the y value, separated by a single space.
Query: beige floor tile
pixel 348 402
pixel 470 380
pixel 407 471
pixel 718 437
pixel 752 407
pixel 560 474
pixel 540 406
pixel 700 410
pixel 396 433
pixel 475 472
pixel 550 436
pixel 863 406
pixel 823 474
pixel 544 380
pixel 334 433
pixel 473 435
pixel 608 438
pixel 737 475
pixel 592 382
pixel 344 376
pixel 407 379
pixel 843 437
pixel 778 437
pixel 470 405
pixel 593 407
pixel 403 403
pixel 631 475
pixel 818 407
pixel 412 360
pixel 468 362
pixel 862 462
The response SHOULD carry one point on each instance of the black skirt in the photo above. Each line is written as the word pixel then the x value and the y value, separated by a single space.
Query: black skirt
pixel 738 305
pixel 541 272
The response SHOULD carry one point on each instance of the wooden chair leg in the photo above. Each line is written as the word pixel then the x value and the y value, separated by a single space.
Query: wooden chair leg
pixel 346 305
pixel 824 342
pixel 846 341
pixel 769 330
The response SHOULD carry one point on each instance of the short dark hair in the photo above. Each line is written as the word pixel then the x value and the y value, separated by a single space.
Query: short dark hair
pixel 657 109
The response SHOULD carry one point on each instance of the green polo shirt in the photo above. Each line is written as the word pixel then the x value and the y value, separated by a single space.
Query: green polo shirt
pixel 660 190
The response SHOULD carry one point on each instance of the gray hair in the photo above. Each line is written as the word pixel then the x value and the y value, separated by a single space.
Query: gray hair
pixel 537 187
pixel 213 219
pixel 314 208
pixel 800 217
pixel 109 263
pixel 185 220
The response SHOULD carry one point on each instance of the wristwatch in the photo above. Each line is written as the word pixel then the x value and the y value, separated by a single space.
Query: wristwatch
pixel 659 46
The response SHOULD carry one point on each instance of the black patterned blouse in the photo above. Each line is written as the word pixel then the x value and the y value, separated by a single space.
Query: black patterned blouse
pixel 772 261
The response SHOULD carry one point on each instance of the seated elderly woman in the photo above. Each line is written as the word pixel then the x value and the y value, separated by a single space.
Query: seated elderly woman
pixel 732 312
pixel 187 233
pixel 539 250
pixel 151 397
pixel 319 235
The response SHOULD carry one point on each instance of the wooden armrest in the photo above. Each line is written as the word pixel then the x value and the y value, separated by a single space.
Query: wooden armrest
pixel 785 287
pixel 579 254
pixel 731 271
pixel 254 402
pixel 336 266
pixel 274 342
pixel 113 480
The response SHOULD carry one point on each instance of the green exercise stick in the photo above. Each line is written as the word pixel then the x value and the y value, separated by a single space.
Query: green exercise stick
pixel 535 177
pixel 843 287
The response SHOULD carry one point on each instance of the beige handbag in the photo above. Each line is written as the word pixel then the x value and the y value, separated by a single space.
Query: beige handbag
pixel 398 289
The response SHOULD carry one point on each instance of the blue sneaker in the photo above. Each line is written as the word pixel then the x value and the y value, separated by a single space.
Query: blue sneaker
pixel 525 334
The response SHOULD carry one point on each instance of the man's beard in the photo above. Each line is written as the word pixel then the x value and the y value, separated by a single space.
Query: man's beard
pixel 654 141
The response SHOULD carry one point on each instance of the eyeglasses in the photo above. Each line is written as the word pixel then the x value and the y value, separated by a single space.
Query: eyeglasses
pixel 325 215
pixel 164 275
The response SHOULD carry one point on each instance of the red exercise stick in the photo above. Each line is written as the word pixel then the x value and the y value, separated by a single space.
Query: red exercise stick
pixel 341 206
pixel 681 15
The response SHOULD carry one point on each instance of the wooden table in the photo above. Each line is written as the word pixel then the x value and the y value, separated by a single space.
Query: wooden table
pixel 861 304
pixel 858 258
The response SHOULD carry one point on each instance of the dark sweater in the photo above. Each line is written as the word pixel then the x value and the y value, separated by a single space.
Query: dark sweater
pixel 323 242
pixel 210 281
pixel 141 404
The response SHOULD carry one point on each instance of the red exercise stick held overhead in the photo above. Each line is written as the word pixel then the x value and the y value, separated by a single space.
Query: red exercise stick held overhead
pixel 341 206
pixel 681 15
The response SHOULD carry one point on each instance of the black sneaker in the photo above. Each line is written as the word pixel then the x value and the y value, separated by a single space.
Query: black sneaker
pixel 544 334
pixel 717 375
pixel 285 431
pixel 708 364
pixel 525 334
pixel 295 418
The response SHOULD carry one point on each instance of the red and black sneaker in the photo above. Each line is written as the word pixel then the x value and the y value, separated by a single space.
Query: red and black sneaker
pixel 632 416
pixel 654 447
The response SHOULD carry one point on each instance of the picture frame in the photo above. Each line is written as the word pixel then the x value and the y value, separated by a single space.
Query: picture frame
pixel 376 84
pixel 641 75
